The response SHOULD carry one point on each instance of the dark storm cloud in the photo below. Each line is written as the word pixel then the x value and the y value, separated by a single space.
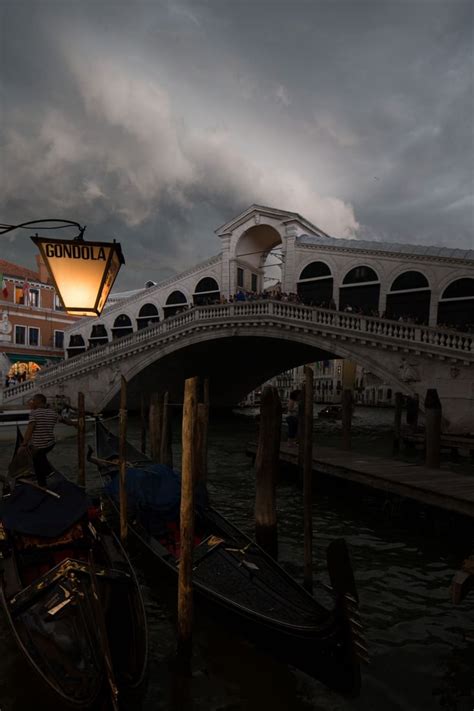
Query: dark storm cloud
pixel 156 122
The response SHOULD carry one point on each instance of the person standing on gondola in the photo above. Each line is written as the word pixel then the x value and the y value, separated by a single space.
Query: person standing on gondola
pixel 39 436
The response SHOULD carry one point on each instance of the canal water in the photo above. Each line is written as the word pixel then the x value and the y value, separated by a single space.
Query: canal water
pixel 403 566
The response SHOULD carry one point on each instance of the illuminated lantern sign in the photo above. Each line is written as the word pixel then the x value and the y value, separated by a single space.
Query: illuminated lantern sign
pixel 82 272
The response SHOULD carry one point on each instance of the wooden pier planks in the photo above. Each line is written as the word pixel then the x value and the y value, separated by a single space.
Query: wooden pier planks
pixel 435 487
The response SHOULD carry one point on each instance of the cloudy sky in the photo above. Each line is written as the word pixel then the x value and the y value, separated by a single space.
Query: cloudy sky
pixel 155 122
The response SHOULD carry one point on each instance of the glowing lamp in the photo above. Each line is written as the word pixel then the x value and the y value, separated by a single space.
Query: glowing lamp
pixel 82 272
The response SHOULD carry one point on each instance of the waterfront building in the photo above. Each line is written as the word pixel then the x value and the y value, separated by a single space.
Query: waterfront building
pixel 33 322
pixel 331 377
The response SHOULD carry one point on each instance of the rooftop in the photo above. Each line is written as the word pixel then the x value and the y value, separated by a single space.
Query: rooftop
pixel 393 247
pixel 8 269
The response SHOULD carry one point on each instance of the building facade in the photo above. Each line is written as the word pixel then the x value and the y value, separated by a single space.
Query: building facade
pixel 33 322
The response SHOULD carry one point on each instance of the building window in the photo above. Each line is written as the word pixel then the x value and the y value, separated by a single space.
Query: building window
pixel 33 336
pixel 20 335
pixel 19 295
pixel 240 276
pixel 34 297
pixel 254 282
pixel 57 303
pixel 59 339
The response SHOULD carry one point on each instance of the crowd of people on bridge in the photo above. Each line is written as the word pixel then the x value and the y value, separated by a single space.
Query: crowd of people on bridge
pixel 275 294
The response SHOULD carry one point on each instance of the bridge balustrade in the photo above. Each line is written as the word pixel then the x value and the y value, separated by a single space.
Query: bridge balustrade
pixel 334 320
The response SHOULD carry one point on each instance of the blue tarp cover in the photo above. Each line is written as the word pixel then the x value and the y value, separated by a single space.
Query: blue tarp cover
pixel 35 513
pixel 155 488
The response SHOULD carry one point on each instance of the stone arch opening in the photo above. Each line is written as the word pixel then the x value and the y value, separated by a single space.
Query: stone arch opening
pixel 360 291
pixel 175 303
pixel 147 315
pixel 257 258
pixel 409 298
pixel 76 346
pixel 99 336
pixel 315 285
pixel 206 292
pixel 456 306
pixel 122 326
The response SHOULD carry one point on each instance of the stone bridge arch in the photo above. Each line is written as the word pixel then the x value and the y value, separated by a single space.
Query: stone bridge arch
pixel 238 361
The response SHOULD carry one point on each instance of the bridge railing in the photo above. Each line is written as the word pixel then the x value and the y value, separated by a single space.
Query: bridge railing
pixel 454 341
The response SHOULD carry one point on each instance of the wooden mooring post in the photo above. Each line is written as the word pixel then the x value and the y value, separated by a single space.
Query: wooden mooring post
pixel 202 430
pixel 143 423
pixel 123 459
pixel 266 470
pixel 433 415
pixel 397 422
pixel 307 446
pixel 413 408
pixel 188 465
pixel 346 418
pixel 81 440
pixel 155 426
pixel 166 452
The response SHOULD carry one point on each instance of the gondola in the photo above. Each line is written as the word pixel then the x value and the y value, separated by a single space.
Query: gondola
pixel 330 412
pixel 70 596
pixel 241 583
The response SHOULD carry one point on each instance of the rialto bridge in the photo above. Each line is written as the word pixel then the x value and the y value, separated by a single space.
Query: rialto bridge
pixel 404 312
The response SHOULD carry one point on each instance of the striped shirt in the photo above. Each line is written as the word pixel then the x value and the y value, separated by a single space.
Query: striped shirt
pixel 43 432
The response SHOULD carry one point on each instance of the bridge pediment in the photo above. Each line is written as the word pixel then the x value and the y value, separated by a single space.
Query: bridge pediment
pixel 263 215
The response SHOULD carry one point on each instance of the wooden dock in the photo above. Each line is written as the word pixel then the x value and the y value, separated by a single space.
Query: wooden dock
pixel 433 487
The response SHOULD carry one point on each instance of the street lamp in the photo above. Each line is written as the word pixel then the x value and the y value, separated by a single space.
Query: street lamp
pixel 83 273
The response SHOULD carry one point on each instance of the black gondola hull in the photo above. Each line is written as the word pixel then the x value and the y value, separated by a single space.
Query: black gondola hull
pixel 72 601
pixel 317 641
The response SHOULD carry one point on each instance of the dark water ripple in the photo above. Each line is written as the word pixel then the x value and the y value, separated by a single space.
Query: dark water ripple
pixel 420 660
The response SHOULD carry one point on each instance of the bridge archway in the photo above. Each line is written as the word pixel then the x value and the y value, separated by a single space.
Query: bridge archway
pixel 147 315
pixel 315 285
pixel 409 298
pixel 456 306
pixel 122 326
pixel 360 290
pixel 206 292
pixel 237 364
pixel 99 336
pixel 76 346
pixel 252 250
pixel 175 303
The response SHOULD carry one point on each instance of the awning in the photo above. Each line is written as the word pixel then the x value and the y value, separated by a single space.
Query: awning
pixel 31 358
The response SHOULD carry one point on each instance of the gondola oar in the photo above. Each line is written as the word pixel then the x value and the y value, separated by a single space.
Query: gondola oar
pixel 103 637
pixel 37 486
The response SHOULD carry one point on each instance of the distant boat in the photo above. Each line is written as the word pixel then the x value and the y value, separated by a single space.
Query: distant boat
pixel 331 412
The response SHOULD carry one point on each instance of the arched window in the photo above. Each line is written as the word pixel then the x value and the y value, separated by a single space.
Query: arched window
pixel 409 298
pixel 460 289
pixel 175 303
pixel 360 291
pixel 315 285
pixel 122 327
pixel 98 336
pixel 206 292
pixel 147 315
pixel 409 281
pixel 315 270
pixel 360 275
pixel 76 346
pixel 456 306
